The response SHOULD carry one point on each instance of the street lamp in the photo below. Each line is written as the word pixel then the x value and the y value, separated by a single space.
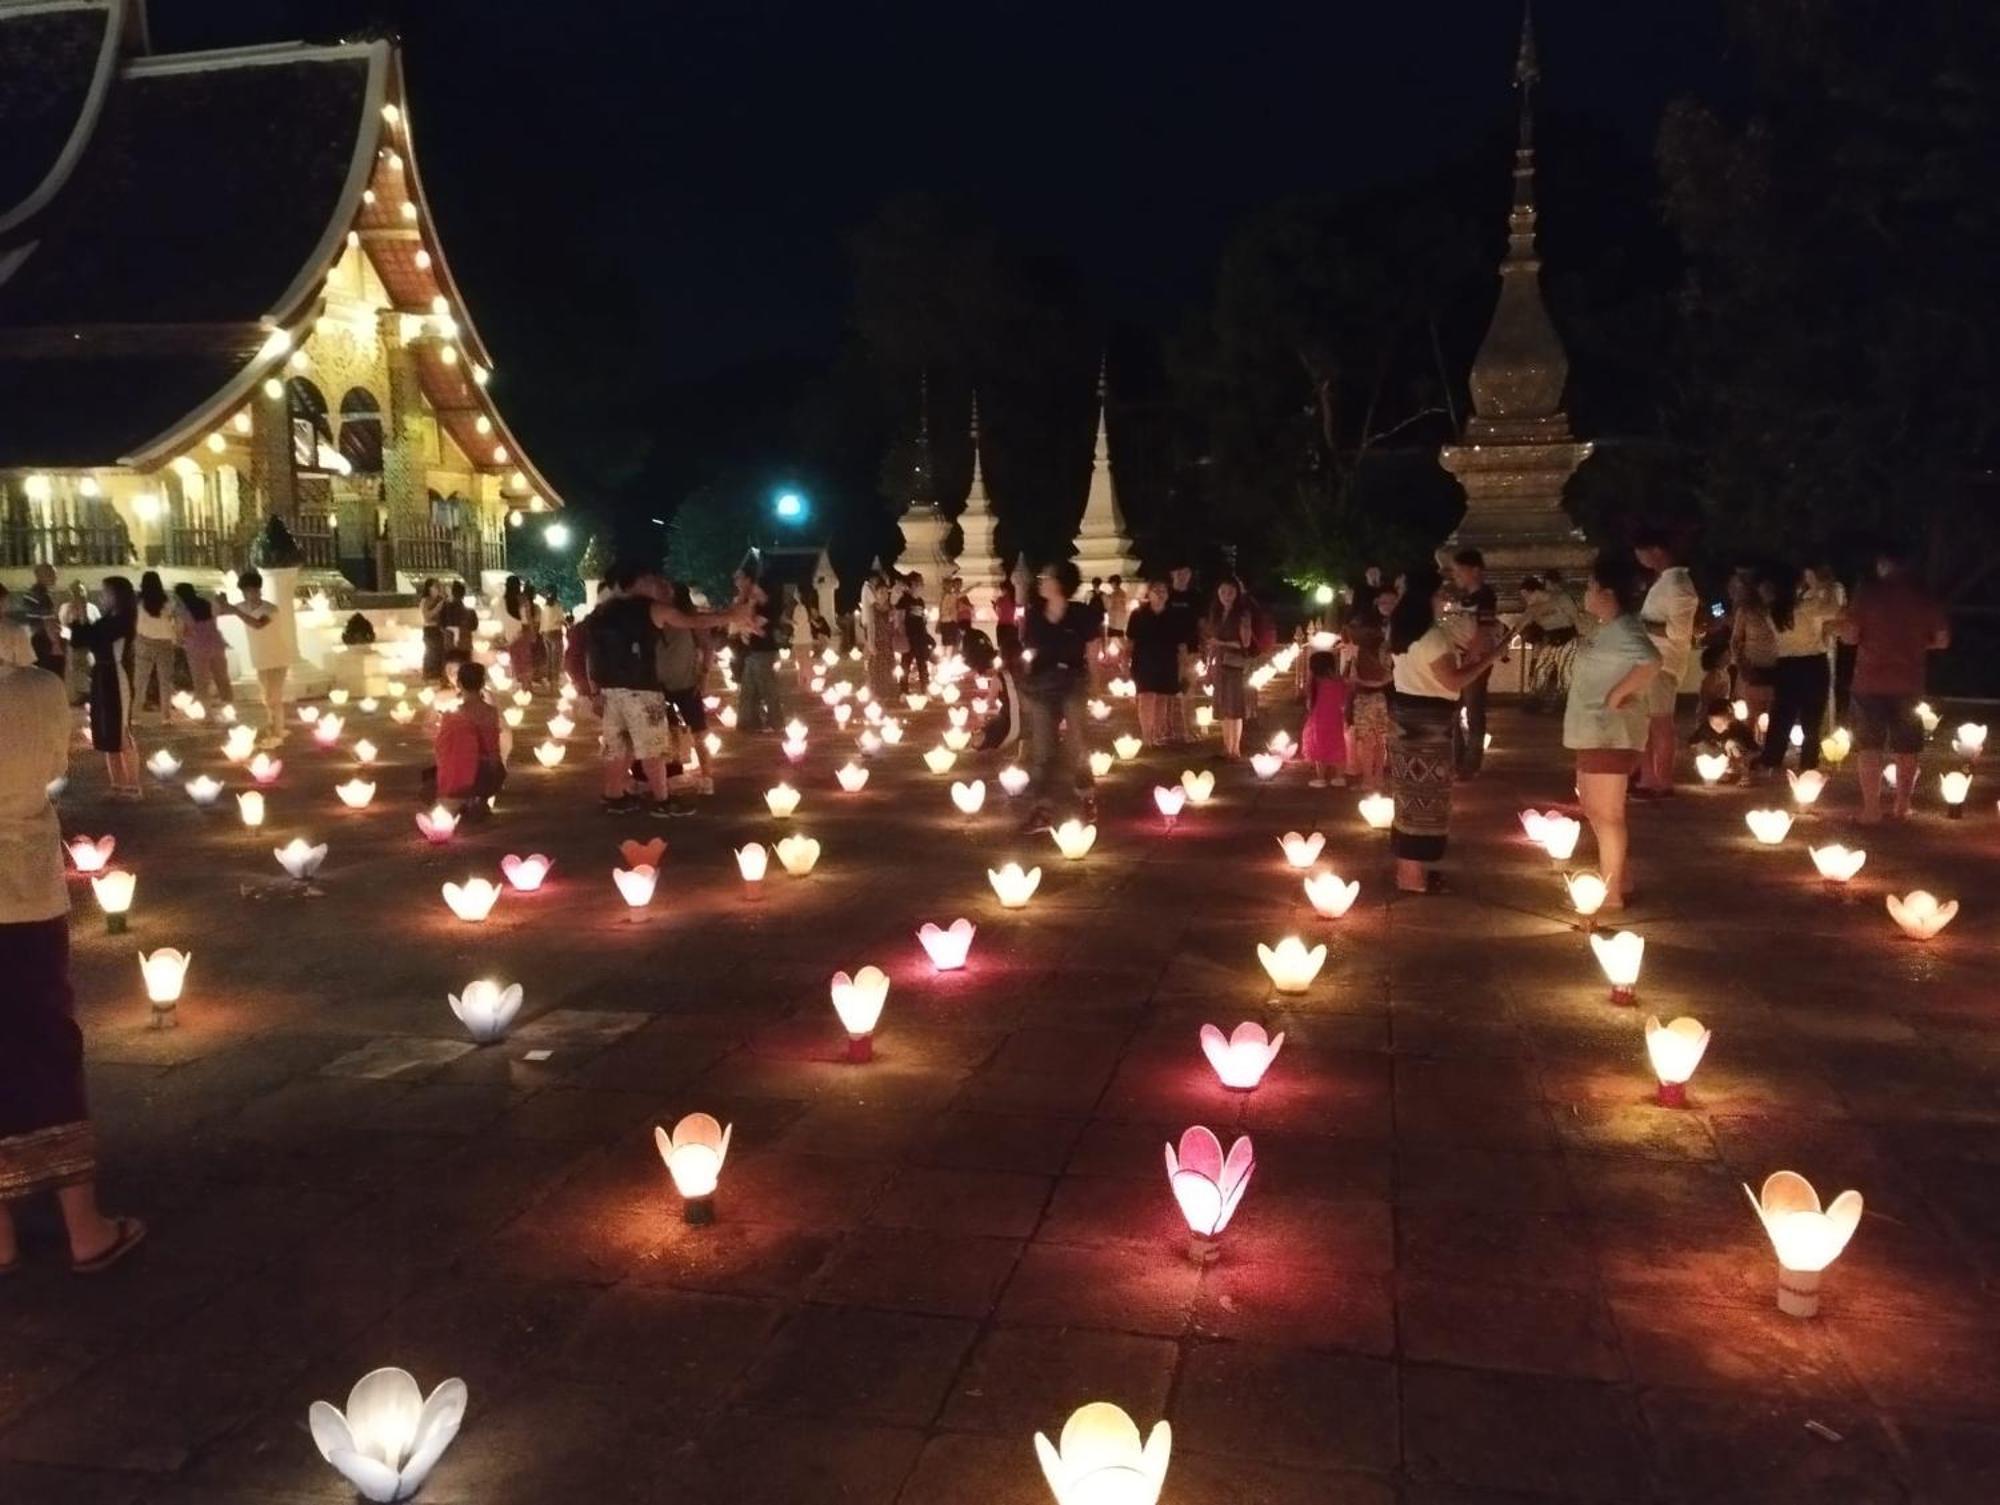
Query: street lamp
pixel 790 507
pixel 556 535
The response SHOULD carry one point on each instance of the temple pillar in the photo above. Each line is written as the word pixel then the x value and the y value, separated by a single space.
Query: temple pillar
pixel 273 483
pixel 404 448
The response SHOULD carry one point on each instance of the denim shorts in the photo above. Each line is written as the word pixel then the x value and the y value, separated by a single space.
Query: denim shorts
pixel 1886 722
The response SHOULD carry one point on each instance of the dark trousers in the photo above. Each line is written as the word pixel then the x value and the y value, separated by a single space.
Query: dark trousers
pixel 1799 690
pixel 45 1136
pixel 1468 730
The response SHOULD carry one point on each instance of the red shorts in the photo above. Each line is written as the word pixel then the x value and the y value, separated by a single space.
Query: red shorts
pixel 1623 760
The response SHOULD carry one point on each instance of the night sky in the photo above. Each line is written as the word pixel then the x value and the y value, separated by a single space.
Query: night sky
pixel 700 163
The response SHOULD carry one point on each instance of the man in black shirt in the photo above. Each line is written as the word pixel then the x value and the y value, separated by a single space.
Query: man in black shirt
pixel 1055 690
pixel 1183 615
pixel 1477 599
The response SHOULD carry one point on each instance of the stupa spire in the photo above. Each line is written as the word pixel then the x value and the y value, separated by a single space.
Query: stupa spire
pixel 1103 547
pixel 979 565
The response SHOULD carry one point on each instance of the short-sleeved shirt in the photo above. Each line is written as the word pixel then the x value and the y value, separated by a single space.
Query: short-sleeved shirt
pixel 1607 656
pixel 267 643
pixel 1669 611
pixel 34 749
pixel 1895 623
pixel 1413 672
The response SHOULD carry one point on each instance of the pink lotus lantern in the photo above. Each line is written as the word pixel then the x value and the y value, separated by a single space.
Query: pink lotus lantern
pixel 92 856
pixel 1208 1185
pixel 1171 800
pixel 265 769
pixel 649 853
pixel 525 874
pixel 437 824
pixel 852 777
pixel 1920 915
pixel 694 1153
pixel 1806 1239
pixel 1302 851
pixel 1329 896
pixel 635 886
pixel 472 900
pixel 947 949
pixel 858 1001
pixel 1243 1056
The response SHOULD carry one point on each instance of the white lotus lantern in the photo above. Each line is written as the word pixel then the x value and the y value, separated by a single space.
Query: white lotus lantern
pixel 1329 896
pixel 858 1001
pixel 239 743
pixel 1675 1050
pixel 397 688
pixel 1127 747
pixel 523 698
pixel 1970 739
pixel 486 1009
pixel 1074 838
pixel 1282 744
pixel 1920 915
pixel 1208 1185
pixel 1171 800
pixel 525 874
pixel 1587 893
pixel 264 768
pixel 1620 956
pixel 402 713
pixel 198 712
pixel 1927 717
pixel 798 855
pixel 1100 764
pixel 752 861
pixel 1013 886
pixel 390 1437
pixel 513 715
pixel 1805 1238
pixel 782 800
pixel 727 716
pixel 1711 766
pixel 635 886
pixel 947 948
pixel 1535 825
pixel 1378 811
pixel 1291 965
pixel 165 974
pixel 250 805
pixel 852 777
pixel 1954 784
pixel 437 824
pixel 299 858
pixel 560 725
pixel 1808 784
pixel 1740 709
pixel 355 793
pixel 309 715
pixel 1241 1057
pixel 113 891
pixel 956 739
pixel 1266 765
pixel 939 759
pixel 472 900
pixel 328 730
pixel 1200 787
pixel 891 732
pixel 1837 864
pixel 203 790
pixel 368 704
pixel 427 695
pixel 1100 1460
pixel 1560 834
pixel 694 1153
pixel 711 743
pixel 1098 709
pixel 1769 826
pixel 365 752
pixel 92 856
pixel 1013 779
pixel 163 764
pixel 549 754
pixel 842 714
pixel 969 798
pixel 870 742
pixel 1204 718
pixel 794 749
pixel 1302 851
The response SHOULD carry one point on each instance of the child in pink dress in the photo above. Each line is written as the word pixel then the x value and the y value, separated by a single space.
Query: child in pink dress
pixel 1323 742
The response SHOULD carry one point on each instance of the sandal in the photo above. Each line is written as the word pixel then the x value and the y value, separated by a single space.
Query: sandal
pixel 131 1233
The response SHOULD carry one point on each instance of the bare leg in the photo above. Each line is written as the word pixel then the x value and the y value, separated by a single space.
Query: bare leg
pixel 1906 783
pixel 1232 737
pixel 1412 877
pixel 1658 771
pixel 1869 766
pixel 10 1248
pixel 656 777
pixel 90 1231
pixel 615 775
pixel 1603 796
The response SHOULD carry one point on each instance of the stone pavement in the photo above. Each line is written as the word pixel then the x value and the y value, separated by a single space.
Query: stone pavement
pixel 1476 1262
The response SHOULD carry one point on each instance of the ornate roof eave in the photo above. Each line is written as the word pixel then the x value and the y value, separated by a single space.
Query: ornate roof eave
pixel 105 67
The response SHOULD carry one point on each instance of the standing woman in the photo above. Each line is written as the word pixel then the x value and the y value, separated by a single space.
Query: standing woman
pixel 430 612
pixel 109 640
pixel 1606 720
pixel 1430 671
pixel 1802 679
pixel 1156 661
pixel 1753 641
pixel 156 635
pixel 1229 631
pixel 1370 676
pixel 880 618
pixel 201 641
pixel 270 654
pixel 516 604
pixel 1007 623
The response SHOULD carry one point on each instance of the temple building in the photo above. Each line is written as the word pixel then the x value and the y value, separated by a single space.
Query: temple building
pixel 223 298
pixel 1518 452
pixel 1103 545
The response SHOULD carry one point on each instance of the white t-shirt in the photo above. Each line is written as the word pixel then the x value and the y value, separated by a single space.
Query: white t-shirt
pixel 1413 674
pixel 1669 611
pixel 552 616
pixel 161 629
pixel 267 644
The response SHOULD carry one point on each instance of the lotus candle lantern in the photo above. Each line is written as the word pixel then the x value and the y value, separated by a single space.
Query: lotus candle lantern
pixel 165 974
pixel 782 800
pixel 852 776
pixel 328 729
pixel 798 855
pixel 1954 784
pixel 250 805
pixel 1970 740
pixel 1171 799
pixel 299 858
pixel 240 742
pixel 513 716
pixel 1014 887
pixel 472 900
pixel 390 1437
pixel 1587 893
pixel 1807 786
pixel 1208 1185
pixel 309 715
pixel 525 874
pixel 635 886
pixel 113 892
pixel 1836 745
pixel 947 949
pixel 1927 717
pixel 858 1001
pixel 198 712
pixel 1266 764
pixel 427 695
pixel 1675 1050
pixel 727 716
pixel 265 769
pixel 1127 747
pixel 1560 834
pixel 1806 1239
pixel 1535 825
pixel 486 1009
pixel 711 743
pixel 1074 838
pixel 549 754
pixel 1243 1056
pixel 871 712
pixel 1378 811
pixel 1282 744
pixel 163 764
pixel 891 732
pixel 368 704
pixel 794 749
pixel 1200 787
pixel 203 790
pixel 1013 779
pixel 1837 864
pixel 92 856
pixel 1098 709
pixel 842 714
pixel 1620 955
pixel 1100 1460
pixel 560 725
pixel 402 713
pixel 1329 896
pixel 870 742
pixel 1711 766
pixel 1100 764
pixel 365 752
pixel 1291 965
pixel 1204 718
pixel 969 798
pixel 958 715
pixel 1302 851
pixel 939 759
pixel 355 793
pixel 1768 826
pixel 1920 915
pixel 694 1154
pixel 437 824
pixel 523 698
pixel 396 688
pixel 650 853
pixel 1740 709
pixel 752 861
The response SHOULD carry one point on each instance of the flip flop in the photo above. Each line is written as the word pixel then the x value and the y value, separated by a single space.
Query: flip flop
pixel 131 1233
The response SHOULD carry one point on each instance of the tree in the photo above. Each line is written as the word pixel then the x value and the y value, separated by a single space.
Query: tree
pixel 1840 306
pixel 711 531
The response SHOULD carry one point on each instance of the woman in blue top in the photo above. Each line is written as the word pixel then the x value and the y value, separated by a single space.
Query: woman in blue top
pixel 1605 721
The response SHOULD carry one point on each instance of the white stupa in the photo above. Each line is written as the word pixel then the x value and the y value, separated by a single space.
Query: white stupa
pixel 923 525
pixel 1103 547
pixel 979 564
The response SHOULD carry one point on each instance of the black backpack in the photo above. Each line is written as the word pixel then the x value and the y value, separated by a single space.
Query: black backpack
pixel 621 646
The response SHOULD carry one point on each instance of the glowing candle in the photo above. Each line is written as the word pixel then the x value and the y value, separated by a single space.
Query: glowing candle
pixel 1378 811
pixel 1291 965
pixel 1301 851
pixel 1806 1239
pixel 1013 886
pixel 113 892
pixel 355 793
pixel 525 874
pixel 1243 1056
pixel 947 948
pixel 694 1154
pixel 1329 896
pixel 472 900
pixel 858 1001
pixel 1620 955
pixel 1675 1050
